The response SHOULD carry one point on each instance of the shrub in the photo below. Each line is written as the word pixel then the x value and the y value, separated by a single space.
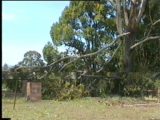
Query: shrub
pixel 13 84
pixel 157 83
pixel 72 91
pixel 55 87
pixel 104 87
pixel 51 86
pixel 137 84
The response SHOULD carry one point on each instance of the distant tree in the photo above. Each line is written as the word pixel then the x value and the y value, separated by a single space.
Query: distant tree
pixel 5 67
pixel 32 59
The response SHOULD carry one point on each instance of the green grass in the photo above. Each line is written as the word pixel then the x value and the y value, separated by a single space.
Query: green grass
pixel 80 109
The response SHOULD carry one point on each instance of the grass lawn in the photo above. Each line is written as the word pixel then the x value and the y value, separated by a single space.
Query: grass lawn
pixel 81 109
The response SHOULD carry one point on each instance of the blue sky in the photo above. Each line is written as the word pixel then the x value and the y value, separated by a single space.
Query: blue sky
pixel 26 26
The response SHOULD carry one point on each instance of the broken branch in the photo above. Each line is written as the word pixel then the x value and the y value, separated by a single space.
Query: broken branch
pixel 139 43
pixel 95 53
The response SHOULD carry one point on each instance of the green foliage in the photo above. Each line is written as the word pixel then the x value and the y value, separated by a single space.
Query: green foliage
pixel 51 86
pixel 71 91
pixel 12 80
pixel 143 57
pixel 55 87
pixel 85 27
pixel 89 29
pixel 85 30
pixel 138 83
pixel 157 84
pixel 50 54
pixel 104 88
pixel 13 84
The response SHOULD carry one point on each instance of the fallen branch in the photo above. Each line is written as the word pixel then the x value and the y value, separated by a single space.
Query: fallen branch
pixel 111 57
pixel 61 60
pixel 94 53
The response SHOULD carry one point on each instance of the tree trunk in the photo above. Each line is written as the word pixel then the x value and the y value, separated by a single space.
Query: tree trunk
pixel 129 40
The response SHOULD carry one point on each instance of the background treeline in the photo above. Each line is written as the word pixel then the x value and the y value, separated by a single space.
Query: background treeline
pixel 112 47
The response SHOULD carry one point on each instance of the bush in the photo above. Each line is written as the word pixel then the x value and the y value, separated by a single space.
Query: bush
pixel 55 87
pixel 137 84
pixel 104 87
pixel 13 84
pixel 157 83
pixel 71 91
pixel 51 86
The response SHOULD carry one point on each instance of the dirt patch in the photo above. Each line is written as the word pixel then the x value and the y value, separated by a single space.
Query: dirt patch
pixel 141 105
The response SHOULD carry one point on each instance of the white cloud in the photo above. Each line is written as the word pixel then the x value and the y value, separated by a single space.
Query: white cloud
pixel 8 17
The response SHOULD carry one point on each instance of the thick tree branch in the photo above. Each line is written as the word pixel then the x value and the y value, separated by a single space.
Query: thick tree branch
pixel 123 34
pixel 94 53
pixel 142 8
pixel 148 38
pixel 156 22
pixel 119 16
pixel 115 51
pixel 62 59
pixel 126 19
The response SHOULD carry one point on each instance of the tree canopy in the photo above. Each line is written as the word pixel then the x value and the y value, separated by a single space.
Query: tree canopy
pixel 113 46
pixel 32 59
